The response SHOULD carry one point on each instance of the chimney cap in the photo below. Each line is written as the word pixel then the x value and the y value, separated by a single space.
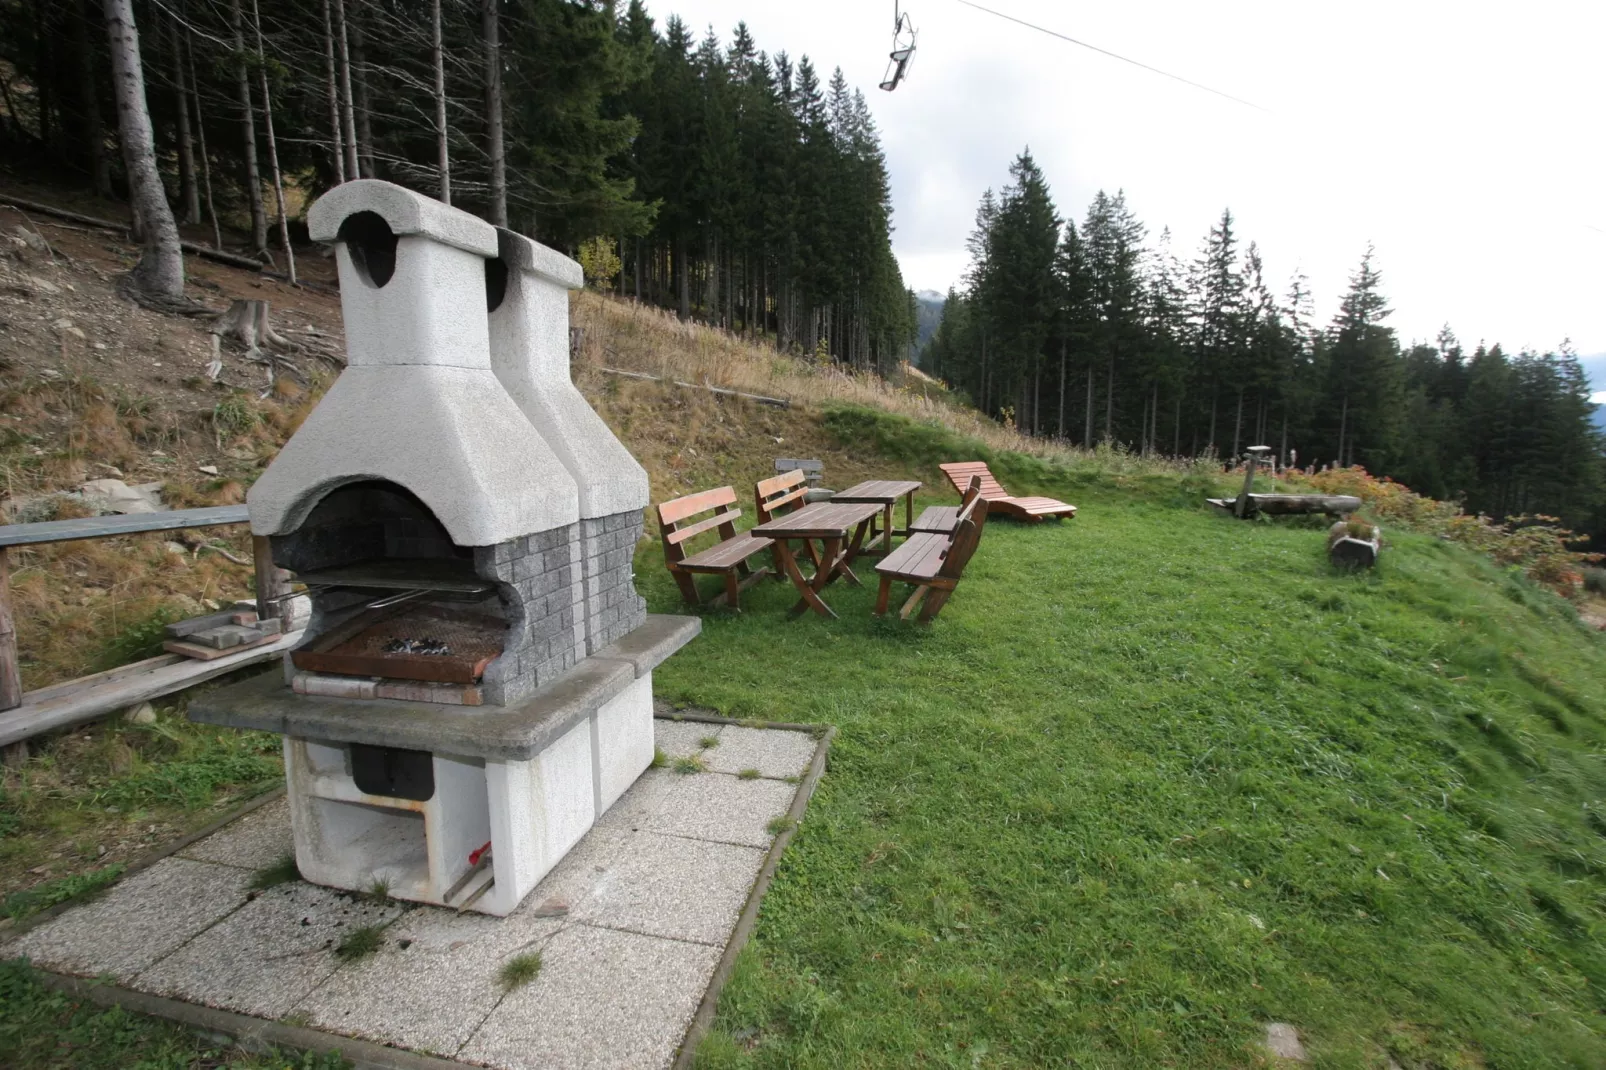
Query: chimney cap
pixel 405 212
pixel 537 259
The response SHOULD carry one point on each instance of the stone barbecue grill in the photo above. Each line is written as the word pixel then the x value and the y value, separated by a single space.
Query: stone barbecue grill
pixel 475 688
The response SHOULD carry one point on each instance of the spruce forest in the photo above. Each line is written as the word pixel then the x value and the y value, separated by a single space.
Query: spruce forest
pixel 1093 333
pixel 743 188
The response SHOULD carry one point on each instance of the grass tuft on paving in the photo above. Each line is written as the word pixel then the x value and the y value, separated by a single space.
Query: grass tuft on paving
pixel 1157 777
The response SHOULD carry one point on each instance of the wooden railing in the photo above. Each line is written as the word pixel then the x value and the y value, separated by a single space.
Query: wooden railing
pixel 24 715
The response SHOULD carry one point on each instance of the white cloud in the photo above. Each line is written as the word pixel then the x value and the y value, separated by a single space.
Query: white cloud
pixel 1384 125
pixel 1599 397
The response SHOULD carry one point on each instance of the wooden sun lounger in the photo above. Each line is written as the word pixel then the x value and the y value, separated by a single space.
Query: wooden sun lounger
pixel 999 500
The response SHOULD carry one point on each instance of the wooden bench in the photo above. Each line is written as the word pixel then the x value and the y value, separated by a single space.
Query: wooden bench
pixel 934 563
pixel 942 519
pixel 678 524
pixel 1031 510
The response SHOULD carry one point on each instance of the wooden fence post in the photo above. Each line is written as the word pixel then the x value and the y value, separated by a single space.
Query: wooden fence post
pixel 1242 508
pixel 272 583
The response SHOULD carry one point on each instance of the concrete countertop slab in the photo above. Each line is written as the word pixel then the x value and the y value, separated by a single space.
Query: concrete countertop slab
pixel 265 704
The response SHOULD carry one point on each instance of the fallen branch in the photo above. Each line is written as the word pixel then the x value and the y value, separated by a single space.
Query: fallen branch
pixel 779 403
pixel 232 259
pixel 222 552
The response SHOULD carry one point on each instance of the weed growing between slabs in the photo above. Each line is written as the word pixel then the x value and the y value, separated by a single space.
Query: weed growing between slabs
pixel 1157 777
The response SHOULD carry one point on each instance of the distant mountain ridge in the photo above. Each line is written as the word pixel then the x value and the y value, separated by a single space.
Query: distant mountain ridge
pixel 1595 368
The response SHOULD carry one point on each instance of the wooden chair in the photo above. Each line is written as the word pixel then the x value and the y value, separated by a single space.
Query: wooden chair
pixel 933 563
pixel 941 519
pixel 728 557
pixel 779 495
pixel 1031 510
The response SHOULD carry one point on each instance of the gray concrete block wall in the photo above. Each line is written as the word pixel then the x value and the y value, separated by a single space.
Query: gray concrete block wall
pixel 613 609
pixel 542 592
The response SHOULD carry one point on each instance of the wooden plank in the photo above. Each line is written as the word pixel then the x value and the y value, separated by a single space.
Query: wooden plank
pixel 100 527
pixel 10 671
pixel 936 519
pixel 53 708
pixel 727 554
pixel 785 481
pixel 67 687
pixel 680 535
pixel 680 508
pixel 819 520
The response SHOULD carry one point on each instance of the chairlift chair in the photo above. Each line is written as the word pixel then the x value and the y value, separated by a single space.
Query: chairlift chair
pixel 903 48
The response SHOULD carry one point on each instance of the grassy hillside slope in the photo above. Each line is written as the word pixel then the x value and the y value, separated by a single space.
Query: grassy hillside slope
pixel 1156 778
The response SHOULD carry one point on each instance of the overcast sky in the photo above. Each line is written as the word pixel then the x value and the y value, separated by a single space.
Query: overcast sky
pixel 1462 139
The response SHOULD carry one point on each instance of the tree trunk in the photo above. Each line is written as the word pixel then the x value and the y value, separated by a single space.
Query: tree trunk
pixel 348 113
pixel 189 185
pixel 206 162
pixel 1343 430
pixel 273 146
pixel 493 129
pixel 1176 427
pixel 336 150
pixel 1087 429
pixel 160 271
pixel 1109 403
pixel 365 127
pixel 437 56
pixel 94 135
pixel 1215 393
pixel 1063 347
pixel 253 177
pixel 682 276
pixel 1237 428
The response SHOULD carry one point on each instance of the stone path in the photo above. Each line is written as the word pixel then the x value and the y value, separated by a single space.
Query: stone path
pixel 629 926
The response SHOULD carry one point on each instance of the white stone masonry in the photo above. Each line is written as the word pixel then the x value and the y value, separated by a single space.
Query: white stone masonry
pixel 419 405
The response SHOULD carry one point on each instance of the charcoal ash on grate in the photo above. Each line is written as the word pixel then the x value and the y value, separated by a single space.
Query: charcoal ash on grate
pixel 404 645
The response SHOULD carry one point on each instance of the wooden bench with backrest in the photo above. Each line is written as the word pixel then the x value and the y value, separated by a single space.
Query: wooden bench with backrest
pixel 941 519
pixel 1032 510
pixel 779 495
pixel 933 562
pixel 678 523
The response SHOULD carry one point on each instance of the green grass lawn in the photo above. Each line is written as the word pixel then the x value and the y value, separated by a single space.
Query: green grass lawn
pixel 1157 777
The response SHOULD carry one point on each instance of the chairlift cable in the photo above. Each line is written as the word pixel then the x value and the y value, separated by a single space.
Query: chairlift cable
pixel 1114 55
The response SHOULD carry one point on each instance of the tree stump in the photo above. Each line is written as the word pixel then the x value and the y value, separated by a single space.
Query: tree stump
pixel 1354 544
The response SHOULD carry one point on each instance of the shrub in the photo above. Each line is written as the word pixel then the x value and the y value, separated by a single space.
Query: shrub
pixel 1537 545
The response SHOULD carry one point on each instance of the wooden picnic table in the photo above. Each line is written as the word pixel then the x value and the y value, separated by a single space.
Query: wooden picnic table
pixel 885 493
pixel 831 523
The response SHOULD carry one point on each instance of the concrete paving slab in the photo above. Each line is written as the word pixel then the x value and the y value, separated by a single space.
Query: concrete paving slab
pixel 723 808
pixel 605 1000
pixel 682 739
pixel 266 957
pixel 137 922
pixel 256 841
pixel 432 984
pixel 638 805
pixel 772 752
pixel 674 887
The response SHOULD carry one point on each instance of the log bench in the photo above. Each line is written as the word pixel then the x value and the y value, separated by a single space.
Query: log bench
pixel 933 562
pixel 678 524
